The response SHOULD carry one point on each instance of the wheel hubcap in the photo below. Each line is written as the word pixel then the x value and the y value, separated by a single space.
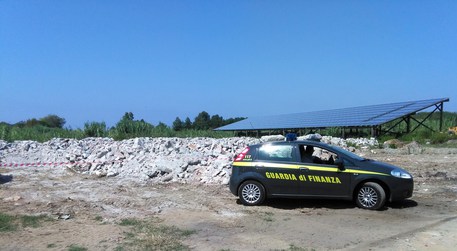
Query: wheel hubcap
pixel 251 193
pixel 368 197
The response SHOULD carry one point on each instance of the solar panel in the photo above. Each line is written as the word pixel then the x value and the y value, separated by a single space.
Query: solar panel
pixel 362 116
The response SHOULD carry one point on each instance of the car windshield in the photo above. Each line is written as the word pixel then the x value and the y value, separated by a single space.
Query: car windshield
pixel 347 153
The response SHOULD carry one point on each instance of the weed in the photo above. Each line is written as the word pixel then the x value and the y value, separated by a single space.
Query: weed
pixel 51 245
pixel 151 235
pixel 75 247
pixel 268 216
pixel 7 223
pixel 119 248
pixel 129 222
pixel 33 221
pixel 295 248
pixel 98 218
pixel 12 223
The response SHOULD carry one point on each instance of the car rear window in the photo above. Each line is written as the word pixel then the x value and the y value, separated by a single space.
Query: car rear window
pixel 275 153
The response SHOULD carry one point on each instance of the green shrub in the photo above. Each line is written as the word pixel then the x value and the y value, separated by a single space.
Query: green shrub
pixel 128 128
pixel 95 129
pixel 439 138
pixel 5 131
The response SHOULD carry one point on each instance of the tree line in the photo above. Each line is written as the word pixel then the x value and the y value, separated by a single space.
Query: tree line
pixel 52 126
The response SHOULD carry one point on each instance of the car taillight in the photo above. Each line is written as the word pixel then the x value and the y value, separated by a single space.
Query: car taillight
pixel 240 156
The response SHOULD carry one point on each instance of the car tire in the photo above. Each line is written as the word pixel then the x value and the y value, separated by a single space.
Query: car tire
pixel 371 196
pixel 251 193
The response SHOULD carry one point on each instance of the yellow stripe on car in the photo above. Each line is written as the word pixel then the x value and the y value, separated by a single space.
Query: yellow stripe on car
pixel 311 168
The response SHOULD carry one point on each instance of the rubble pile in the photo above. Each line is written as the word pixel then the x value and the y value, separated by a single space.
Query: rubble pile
pixel 204 160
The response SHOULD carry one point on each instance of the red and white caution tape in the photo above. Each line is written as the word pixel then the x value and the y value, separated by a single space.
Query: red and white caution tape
pixel 43 164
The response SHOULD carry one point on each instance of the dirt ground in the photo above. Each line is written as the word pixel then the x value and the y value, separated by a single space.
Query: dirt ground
pixel 87 210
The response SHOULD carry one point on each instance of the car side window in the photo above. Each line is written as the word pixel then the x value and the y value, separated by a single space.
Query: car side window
pixel 276 153
pixel 317 155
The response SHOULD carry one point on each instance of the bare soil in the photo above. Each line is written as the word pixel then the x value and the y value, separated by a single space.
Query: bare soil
pixel 87 211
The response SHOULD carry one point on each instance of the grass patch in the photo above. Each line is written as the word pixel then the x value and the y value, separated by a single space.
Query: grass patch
pixel 268 216
pixel 130 222
pixel 152 235
pixel 75 247
pixel 33 221
pixel 9 223
pixel 295 248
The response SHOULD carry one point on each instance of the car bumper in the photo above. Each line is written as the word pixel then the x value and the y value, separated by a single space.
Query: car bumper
pixel 402 190
pixel 233 185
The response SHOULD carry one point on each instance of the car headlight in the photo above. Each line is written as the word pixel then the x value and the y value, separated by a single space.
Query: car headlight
pixel 401 174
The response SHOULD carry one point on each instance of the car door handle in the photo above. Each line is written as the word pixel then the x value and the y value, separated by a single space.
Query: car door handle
pixel 304 169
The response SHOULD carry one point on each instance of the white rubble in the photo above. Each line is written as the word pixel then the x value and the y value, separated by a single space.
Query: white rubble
pixel 204 160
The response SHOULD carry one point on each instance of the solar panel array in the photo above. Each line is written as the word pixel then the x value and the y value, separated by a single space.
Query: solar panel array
pixel 362 116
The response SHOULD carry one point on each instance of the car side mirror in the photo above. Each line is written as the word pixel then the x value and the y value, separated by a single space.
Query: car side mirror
pixel 340 163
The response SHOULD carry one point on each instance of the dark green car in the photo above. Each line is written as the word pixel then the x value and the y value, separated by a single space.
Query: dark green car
pixel 310 169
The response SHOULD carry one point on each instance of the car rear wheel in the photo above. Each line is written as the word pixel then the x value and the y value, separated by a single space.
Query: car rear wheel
pixel 371 196
pixel 251 193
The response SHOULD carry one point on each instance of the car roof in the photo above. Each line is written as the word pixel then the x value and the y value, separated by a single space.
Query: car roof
pixel 295 142
pixel 314 143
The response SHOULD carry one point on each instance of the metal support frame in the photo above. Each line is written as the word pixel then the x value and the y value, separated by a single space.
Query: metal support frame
pixel 437 107
pixel 407 119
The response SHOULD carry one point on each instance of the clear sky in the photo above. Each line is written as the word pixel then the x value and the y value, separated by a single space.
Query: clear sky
pixel 90 60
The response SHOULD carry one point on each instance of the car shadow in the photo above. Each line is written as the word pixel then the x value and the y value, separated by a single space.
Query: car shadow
pixel 5 178
pixel 291 204
pixel 402 204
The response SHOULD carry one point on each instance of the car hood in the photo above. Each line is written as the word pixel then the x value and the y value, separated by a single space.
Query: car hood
pixel 377 166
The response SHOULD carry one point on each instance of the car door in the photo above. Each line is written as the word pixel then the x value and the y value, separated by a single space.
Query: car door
pixel 319 174
pixel 277 163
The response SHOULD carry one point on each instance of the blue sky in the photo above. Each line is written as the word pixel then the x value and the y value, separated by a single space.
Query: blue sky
pixel 95 60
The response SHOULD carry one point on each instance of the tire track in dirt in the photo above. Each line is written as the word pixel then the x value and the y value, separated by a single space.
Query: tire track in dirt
pixel 385 241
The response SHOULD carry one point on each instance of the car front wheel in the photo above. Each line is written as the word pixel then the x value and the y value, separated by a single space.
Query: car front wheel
pixel 371 196
pixel 251 193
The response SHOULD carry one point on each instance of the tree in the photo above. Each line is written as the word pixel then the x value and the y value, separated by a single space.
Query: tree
pixel 216 121
pixel 187 124
pixel 128 116
pixel 201 122
pixel 129 128
pixel 178 125
pixel 29 123
pixel 52 121
pixel 162 126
